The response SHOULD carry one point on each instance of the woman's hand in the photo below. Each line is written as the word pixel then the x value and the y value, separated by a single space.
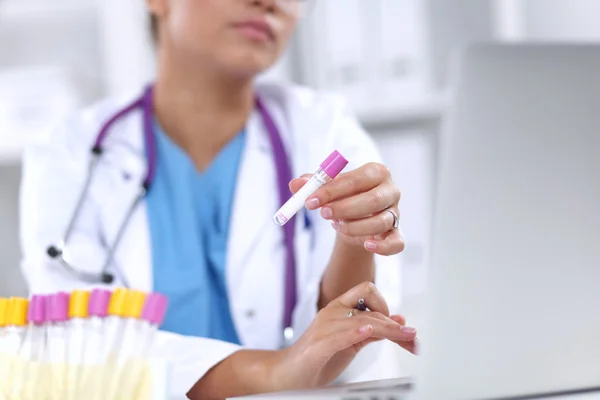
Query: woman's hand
pixel 330 343
pixel 335 338
pixel 361 205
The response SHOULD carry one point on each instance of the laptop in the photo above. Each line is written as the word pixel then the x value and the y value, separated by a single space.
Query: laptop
pixel 514 291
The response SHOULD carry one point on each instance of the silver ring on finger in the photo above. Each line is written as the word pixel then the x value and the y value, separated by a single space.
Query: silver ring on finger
pixel 396 222
pixel 351 313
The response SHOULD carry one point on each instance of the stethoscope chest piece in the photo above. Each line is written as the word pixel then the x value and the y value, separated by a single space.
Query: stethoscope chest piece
pixel 288 336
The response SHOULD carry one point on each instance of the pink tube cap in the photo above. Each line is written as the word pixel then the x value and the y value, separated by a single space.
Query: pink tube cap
pixel 98 303
pixel 37 310
pixel 57 307
pixel 334 164
pixel 155 308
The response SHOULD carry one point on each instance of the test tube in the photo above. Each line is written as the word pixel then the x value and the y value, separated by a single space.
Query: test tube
pixel 114 326
pixel 153 314
pixel 93 356
pixel 3 320
pixel 328 170
pixel 78 313
pixel 132 332
pixel 16 322
pixel 3 317
pixel 57 313
pixel 31 354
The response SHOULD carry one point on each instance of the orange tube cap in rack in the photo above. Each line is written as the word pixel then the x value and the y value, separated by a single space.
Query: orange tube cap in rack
pixel 116 305
pixel 78 304
pixel 17 311
pixel 134 304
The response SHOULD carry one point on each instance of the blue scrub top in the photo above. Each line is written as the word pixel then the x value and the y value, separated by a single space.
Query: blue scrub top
pixel 189 213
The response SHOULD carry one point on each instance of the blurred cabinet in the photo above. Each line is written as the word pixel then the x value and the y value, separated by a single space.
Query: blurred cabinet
pixel 50 63
pixel 375 53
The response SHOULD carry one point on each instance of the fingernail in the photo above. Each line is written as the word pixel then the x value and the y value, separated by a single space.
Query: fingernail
pixel 326 213
pixel 370 245
pixel 313 203
pixel 407 330
pixel 336 225
pixel 365 329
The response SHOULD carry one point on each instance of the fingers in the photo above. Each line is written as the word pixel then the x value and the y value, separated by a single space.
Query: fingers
pixel 362 204
pixel 383 327
pixel 398 319
pixel 367 291
pixel 342 340
pixel 296 184
pixel 370 226
pixel 387 244
pixel 354 182
pixel 410 346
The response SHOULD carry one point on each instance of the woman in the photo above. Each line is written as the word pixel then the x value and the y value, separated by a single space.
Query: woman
pixel 202 233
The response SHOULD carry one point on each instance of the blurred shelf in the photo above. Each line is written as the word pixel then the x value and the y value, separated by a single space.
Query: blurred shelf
pixel 421 110
pixel 30 8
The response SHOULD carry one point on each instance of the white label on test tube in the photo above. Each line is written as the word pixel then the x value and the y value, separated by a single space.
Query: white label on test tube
pixel 93 356
pixel 11 342
pixel 57 311
pixel 28 378
pixel 78 312
pixel 329 169
pixel 153 314
pixel 132 311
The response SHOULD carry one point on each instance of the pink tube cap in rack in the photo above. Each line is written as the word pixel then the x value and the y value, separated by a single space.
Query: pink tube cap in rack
pixel 37 310
pixel 334 164
pixel 98 304
pixel 155 308
pixel 57 307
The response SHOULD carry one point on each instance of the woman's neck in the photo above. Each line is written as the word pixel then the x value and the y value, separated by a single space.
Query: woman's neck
pixel 201 110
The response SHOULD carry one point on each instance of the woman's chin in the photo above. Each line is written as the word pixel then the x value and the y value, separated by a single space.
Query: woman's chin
pixel 249 64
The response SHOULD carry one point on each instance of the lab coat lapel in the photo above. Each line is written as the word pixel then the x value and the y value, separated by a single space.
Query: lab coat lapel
pixel 254 203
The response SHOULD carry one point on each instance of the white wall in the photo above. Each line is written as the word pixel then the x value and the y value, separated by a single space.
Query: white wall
pixel 548 20
pixel 576 20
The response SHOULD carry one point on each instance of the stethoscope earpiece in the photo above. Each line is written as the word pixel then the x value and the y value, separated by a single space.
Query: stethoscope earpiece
pixel 53 252
pixel 107 278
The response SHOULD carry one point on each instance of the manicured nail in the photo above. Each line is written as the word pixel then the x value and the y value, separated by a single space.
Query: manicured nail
pixel 407 330
pixel 365 329
pixel 326 212
pixel 370 245
pixel 312 204
pixel 336 225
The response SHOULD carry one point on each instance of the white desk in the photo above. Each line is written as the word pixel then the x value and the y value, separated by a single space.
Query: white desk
pixel 380 390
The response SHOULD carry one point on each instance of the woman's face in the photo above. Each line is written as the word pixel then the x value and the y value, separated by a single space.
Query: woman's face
pixel 240 36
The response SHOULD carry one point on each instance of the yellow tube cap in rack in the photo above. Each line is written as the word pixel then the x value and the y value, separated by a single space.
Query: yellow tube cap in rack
pixel 116 305
pixel 3 312
pixel 134 304
pixel 17 311
pixel 78 304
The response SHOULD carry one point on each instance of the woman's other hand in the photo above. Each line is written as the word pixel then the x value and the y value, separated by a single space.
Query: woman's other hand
pixel 362 206
pixel 335 337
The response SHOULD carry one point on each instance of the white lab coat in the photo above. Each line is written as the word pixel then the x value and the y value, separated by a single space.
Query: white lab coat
pixel 312 125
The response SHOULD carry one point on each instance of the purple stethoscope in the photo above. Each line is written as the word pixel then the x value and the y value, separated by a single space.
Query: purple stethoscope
pixel 144 102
